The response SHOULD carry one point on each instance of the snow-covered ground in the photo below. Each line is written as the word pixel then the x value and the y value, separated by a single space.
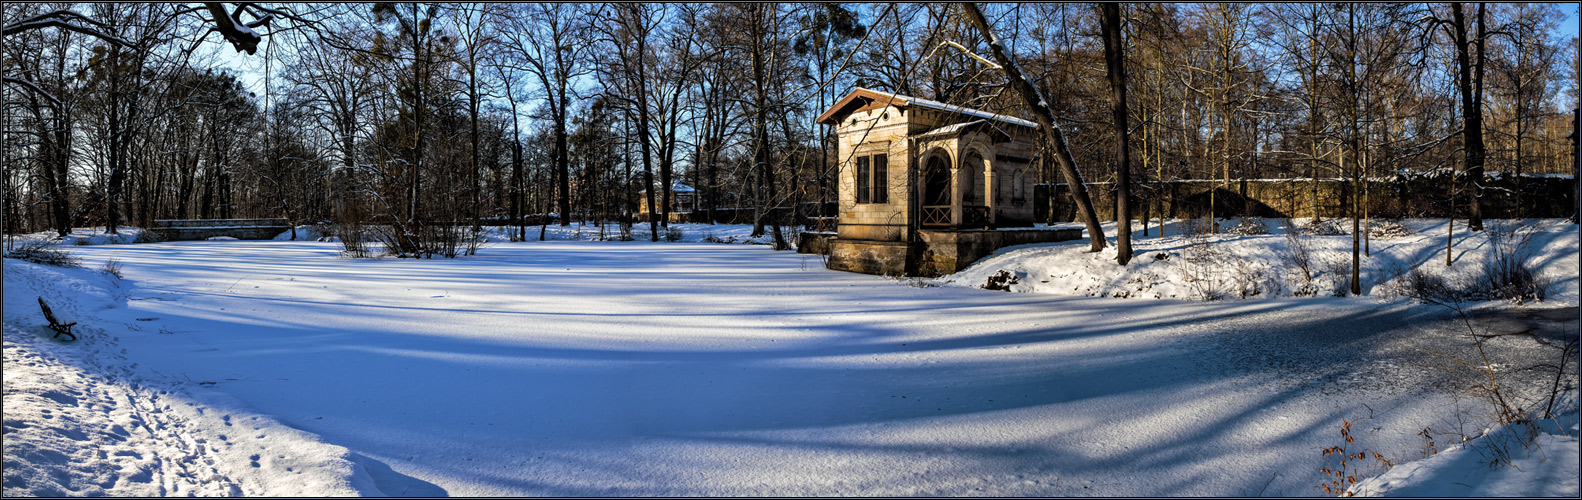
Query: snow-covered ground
pixel 680 232
pixel 87 419
pixel 84 236
pixel 594 368
pixel 1184 266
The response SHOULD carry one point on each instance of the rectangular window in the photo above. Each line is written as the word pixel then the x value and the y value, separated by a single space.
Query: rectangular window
pixel 862 179
pixel 881 178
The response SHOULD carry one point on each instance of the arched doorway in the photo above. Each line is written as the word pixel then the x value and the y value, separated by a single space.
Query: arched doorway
pixel 936 191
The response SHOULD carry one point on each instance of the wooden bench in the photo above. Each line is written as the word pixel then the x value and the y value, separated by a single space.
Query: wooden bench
pixel 54 324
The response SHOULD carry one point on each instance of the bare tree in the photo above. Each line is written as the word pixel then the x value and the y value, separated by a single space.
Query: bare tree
pixel 474 24
pixel 1054 139
pixel 1115 62
pixel 555 46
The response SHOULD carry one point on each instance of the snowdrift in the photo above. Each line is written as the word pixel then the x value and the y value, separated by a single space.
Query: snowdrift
pixel 1247 266
pixel 83 420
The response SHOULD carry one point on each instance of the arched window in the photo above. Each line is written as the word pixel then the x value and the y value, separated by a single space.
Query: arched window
pixel 1019 187
pixel 972 179
pixel 936 181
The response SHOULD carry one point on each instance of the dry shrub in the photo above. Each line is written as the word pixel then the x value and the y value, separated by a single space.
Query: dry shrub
pixel 1323 227
pixel 1297 254
pixel 42 252
pixel 428 240
pixel 1248 226
pixel 1387 228
pixel 1202 264
pixel 112 267
pixel 1506 274
pixel 1001 281
pixel 1338 267
pixel 1343 467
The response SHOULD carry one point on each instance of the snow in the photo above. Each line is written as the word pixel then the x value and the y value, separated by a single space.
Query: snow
pixel 1541 462
pixel 917 101
pixel 574 367
pixel 86 419
pixel 949 129
pixel 91 236
pixel 685 233
pixel 1172 267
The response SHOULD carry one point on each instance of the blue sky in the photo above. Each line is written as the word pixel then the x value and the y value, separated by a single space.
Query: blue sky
pixel 250 69
pixel 1569 28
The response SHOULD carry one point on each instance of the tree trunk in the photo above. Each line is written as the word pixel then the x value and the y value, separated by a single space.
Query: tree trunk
pixel 1470 83
pixel 761 154
pixel 1115 60
pixel 640 85
pixel 1054 139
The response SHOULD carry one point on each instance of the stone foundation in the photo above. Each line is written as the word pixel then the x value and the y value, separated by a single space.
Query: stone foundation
pixel 951 251
pixel 941 252
pixel 814 242
pixel 886 258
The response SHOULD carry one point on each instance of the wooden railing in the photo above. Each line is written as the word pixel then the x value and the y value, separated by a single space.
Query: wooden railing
pixel 820 224
pixel 940 216
pixel 974 216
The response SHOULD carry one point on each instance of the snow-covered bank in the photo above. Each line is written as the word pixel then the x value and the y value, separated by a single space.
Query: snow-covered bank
pixel 1189 267
pixel 675 233
pixel 84 236
pixel 83 418
pixel 1519 460
pixel 633 368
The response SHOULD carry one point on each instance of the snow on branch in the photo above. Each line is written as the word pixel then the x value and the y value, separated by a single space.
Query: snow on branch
pixel 63 19
pixel 35 88
pixel 230 25
pixel 967 52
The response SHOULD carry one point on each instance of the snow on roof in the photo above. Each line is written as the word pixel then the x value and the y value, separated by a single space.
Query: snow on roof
pixel 902 101
pixel 968 111
pixel 950 129
pixel 959 127
pixel 677 187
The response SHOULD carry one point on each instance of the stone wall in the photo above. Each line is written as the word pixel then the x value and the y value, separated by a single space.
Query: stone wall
pixel 1404 196
pixel 951 251
pixel 940 252
pixel 202 229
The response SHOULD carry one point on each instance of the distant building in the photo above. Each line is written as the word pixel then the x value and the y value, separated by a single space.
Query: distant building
pixel 927 187
pixel 682 199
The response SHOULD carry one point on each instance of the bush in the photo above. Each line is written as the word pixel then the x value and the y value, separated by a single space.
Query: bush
pixel 1001 281
pixel 1387 228
pixel 673 234
pixel 42 252
pixel 1203 267
pixel 1506 274
pixel 1323 227
pixel 1298 255
pixel 1339 270
pixel 353 237
pixel 1248 226
pixel 324 231
pixel 428 240
pixel 112 267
